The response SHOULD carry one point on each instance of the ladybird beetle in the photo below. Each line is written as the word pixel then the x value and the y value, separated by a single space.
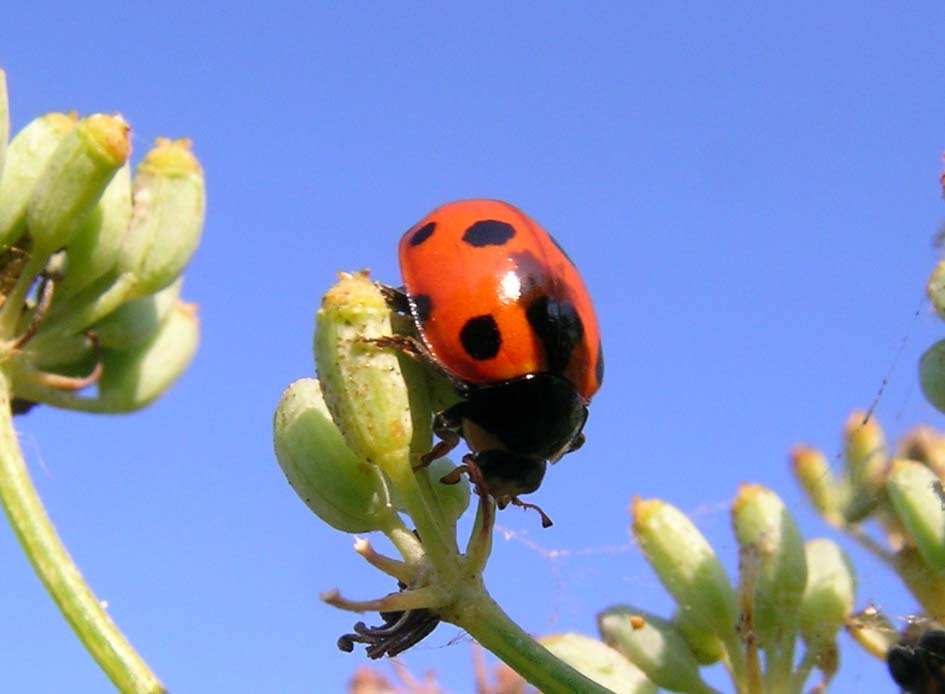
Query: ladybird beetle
pixel 502 312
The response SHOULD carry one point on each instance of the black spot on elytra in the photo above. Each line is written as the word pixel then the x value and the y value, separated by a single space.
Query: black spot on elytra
pixel 422 307
pixel 559 329
pixel 599 369
pixel 423 233
pixel 488 232
pixel 480 337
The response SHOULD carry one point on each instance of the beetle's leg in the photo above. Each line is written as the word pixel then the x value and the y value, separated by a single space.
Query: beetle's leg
pixel 396 298
pixel 455 475
pixel 448 441
pixel 404 344
pixel 416 350
pixel 545 520
pixel 471 468
pixel 447 426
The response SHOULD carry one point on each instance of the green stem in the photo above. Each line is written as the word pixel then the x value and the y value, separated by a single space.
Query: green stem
pixel 736 663
pixel 747 643
pixel 479 546
pixel 425 484
pixel 477 613
pixel 869 544
pixel 440 548
pixel 804 669
pixel 62 399
pixel 58 572
pixel 405 541
pixel 780 662
pixel 122 289
pixel 13 303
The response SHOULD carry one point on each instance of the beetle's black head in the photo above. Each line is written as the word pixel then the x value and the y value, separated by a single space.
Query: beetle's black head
pixel 919 665
pixel 507 475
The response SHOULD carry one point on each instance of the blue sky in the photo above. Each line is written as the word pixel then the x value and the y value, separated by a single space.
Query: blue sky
pixel 750 190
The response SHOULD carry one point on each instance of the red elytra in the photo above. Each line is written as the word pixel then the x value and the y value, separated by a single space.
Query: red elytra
pixel 495 297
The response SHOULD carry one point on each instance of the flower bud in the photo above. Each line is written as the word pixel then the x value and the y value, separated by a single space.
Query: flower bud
pixel 167 216
pixel 932 375
pixel 599 662
pixel 74 179
pixel 135 378
pixel 763 522
pixel 70 355
pixel 924 445
pixel 335 484
pixel 686 565
pixel 653 645
pixel 26 158
pixel 816 478
pixel 94 247
pixel 925 585
pixel 936 289
pixel 705 646
pixel 452 498
pixel 866 459
pixel 829 594
pixel 135 322
pixel 918 498
pixel 363 384
pixel 873 631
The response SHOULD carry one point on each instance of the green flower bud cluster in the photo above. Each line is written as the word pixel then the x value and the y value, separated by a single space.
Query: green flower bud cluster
pixel 903 493
pixel 788 594
pixel 375 407
pixel 91 259
pixel 349 443
pixel 858 491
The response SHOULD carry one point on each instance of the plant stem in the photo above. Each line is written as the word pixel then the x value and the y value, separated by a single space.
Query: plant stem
pixel 405 541
pixel 869 544
pixel 779 663
pixel 65 400
pixel 750 568
pixel 51 561
pixel 480 539
pixel 440 547
pixel 477 613
pixel 121 289
pixel 804 669
pixel 13 302
pixel 736 664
